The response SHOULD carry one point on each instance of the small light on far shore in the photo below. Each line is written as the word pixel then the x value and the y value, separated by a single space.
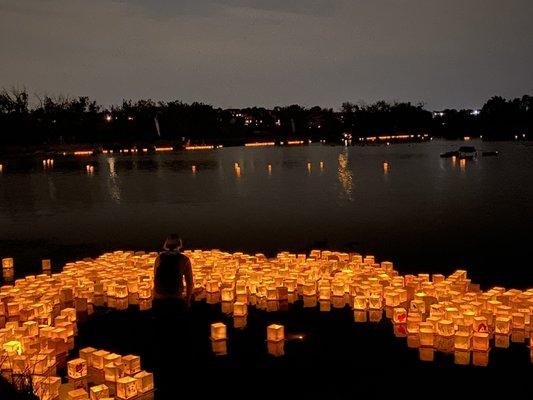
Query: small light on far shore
pixel 108 118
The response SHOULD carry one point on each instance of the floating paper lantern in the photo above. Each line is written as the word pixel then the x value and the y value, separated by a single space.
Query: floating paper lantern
pixel 97 359
pixel 145 381
pixel 126 388
pixel 462 341
pixel 78 394
pixel 360 303
pixel 218 331
pixel 131 364
pixel 13 347
pixel 480 341
pixel 77 368
pixel 399 315
pixel 99 392
pixel 502 325
pixel 275 333
pixel 7 263
pixel 240 309
pixel 46 265
pixel 227 294
pixel 445 327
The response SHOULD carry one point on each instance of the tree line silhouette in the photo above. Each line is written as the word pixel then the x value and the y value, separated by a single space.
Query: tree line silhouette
pixel 53 120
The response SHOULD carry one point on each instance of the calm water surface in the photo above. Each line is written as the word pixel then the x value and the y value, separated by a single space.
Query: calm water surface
pixel 425 213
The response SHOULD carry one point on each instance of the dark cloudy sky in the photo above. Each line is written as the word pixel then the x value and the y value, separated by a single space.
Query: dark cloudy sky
pixel 232 53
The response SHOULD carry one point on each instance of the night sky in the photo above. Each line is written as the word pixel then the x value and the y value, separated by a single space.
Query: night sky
pixel 233 53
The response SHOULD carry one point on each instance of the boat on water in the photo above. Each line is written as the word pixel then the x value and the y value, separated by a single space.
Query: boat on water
pixel 469 152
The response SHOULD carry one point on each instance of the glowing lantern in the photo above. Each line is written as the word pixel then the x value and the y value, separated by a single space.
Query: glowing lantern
pixel 518 320
pixel 426 334
pixel 126 388
pixel 480 324
pixel 113 371
pixel 145 381
pixel 99 392
pixel 275 333
pixel 445 328
pixel 502 325
pixel 218 331
pixel 359 303
pixel 462 341
pixel 78 394
pixel 227 294
pixel 324 293
pixel 77 368
pixel 7 263
pixel 46 265
pixel 480 341
pixel 13 347
pixel 375 302
pixel 399 315
pixel 240 309
pixel 131 364
pixel 97 359
pixel 212 286
pixel 359 316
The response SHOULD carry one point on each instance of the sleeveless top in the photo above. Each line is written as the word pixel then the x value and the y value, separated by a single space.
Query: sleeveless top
pixel 168 278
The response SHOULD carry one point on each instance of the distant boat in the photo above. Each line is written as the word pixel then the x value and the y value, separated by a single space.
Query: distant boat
pixel 467 152
pixel 463 152
pixel 450 154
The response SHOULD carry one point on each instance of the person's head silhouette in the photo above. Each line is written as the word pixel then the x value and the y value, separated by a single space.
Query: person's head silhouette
pixel 173 243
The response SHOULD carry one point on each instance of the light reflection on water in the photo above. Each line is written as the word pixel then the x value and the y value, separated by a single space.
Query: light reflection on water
pixel 428 212
pixel 345 176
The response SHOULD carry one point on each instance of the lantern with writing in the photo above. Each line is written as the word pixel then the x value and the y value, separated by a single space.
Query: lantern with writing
pixel 126 388
pixel 399 315
pixel 77 368
pixel 7 263
pixel 359 303
pixel 131 364
pixel 502 325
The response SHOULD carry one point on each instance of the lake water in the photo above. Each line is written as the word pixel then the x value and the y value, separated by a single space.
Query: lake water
pixel 425 214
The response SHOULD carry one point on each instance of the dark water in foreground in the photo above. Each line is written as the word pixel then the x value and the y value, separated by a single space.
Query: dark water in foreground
pixel 425 214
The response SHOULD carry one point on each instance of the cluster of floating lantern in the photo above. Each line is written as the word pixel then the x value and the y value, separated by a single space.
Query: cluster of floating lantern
pixel 434 313
pixel 39 314
pixel 38 324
